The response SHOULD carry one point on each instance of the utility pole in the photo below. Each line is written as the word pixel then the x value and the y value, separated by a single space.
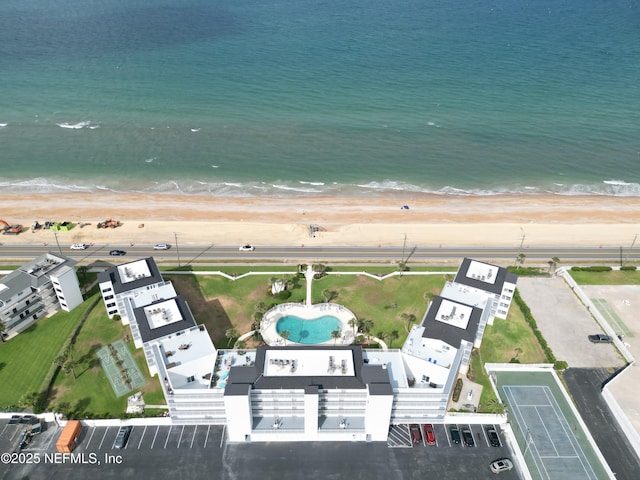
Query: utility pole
pixel 175 236
pixel 404 245
pixel 631 247
pixel 55 234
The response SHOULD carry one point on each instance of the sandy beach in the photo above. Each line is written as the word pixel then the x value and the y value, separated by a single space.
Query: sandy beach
pixel 430 220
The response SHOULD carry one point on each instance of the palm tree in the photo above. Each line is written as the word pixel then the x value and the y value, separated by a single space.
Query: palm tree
pixel 70 366
pixel 520 259
pixel 336 334
pixel 366 326
pixel 240 345
pixel 2 330
pixel 231 333
pixel 553 263
pixel 408 319
pixel 329 295
pixel 496 406
pixel 285 334
pixel 261 307
pixel 393 336
pixel 353 323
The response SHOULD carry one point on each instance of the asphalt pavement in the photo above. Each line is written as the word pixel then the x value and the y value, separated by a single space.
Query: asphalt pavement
pixel 585 385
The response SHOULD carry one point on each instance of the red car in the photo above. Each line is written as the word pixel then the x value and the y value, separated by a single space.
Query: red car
pixel 428 434
pixel 415 433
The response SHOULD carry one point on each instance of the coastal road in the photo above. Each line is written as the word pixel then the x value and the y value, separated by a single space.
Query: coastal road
pixel 192 254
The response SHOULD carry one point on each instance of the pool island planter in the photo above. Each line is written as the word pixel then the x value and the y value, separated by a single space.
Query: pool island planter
pixel 307 324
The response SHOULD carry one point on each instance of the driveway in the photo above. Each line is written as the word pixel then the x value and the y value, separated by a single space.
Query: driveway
pixel 565 323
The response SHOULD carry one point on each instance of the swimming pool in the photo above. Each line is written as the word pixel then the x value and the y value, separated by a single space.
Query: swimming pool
pixel 308 332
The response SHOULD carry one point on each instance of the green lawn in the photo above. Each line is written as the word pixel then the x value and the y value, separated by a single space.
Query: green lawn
pixel 221 304
pixel 614 277
pixel 91 395
pixel 25 360
pixel 499 345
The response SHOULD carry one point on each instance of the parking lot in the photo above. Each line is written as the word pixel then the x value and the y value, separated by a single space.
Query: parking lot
pixel 201 451
pixel 400 436
pixel 566 324
pixel 152 437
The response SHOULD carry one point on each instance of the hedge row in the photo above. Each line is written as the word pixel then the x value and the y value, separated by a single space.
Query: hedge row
pixel 534 326
pixel 629 268
pixel 457 390
pixel 528 271
pixel 593 268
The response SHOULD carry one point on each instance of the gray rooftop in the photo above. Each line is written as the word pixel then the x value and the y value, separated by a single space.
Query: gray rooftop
pixel 113 275
pixel 32 274
pixel 183 322
pixel 496 281
pixel 449 332
pixel 254 375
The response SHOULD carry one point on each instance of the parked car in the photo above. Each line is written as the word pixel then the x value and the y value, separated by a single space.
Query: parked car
pixel 415 433
pixel 455 434
pixel 122 437
pixel 429 435
pixel 79 246
pixel 161 246
pixel 600 338
pixel 247 248
pixel 492 434
pixel 467 437
pixel 117 253
pixel 501 465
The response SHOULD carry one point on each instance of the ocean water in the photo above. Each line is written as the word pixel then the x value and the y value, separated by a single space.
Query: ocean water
pixel 290 97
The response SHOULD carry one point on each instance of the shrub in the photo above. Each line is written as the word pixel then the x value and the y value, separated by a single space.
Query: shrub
pixel 594 268
pixel 526 312
pixel 560 365
pixel 284 294
pixel 629 268
pixel 528 271
pixel 457 390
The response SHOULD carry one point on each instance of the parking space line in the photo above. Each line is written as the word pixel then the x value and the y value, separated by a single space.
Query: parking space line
pixel 168 435
pixel 180 439
pixel 154 437
pixel 193 437
pixel 484 434
pixel 142 437
pixel 103 437
pixel 3 430
pixel 222 438
pixel 93 431
pixel 446 434
pixel 207 437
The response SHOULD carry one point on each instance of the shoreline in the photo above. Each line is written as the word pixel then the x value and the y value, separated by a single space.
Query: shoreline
pixel 431 220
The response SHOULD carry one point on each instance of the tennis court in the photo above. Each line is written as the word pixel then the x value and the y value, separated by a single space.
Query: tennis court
pixel 549 438
pixel 550 434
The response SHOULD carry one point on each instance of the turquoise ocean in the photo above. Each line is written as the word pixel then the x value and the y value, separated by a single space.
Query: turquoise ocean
pixel 320 97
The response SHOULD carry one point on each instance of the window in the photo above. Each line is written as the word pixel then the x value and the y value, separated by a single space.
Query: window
pixel 111 305
pixel 191 379
pixel 108 297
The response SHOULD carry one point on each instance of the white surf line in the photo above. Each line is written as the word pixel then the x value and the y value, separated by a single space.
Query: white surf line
pixel 194 436
pixel 154 437
pixel 142 437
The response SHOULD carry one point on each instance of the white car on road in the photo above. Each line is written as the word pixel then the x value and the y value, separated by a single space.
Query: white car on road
pixel 79 246
pixel 247 248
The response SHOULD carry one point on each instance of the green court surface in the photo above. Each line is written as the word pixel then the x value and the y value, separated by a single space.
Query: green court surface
pixel 612 317
pixel 548 433
pixel 111 369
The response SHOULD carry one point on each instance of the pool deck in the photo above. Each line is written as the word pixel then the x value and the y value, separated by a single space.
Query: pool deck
pixel 270 320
